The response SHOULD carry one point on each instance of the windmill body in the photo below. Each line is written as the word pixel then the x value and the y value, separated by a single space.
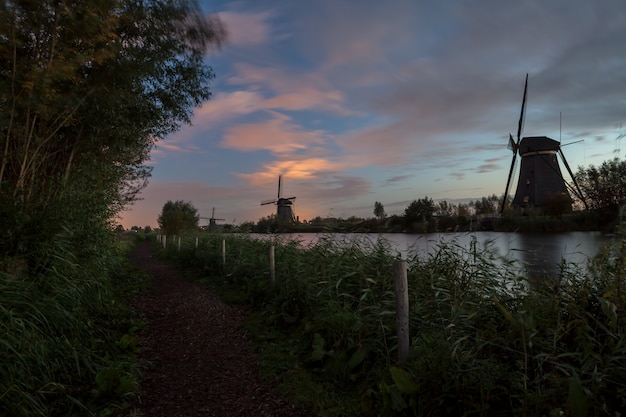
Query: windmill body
pixel 540 181
pixel 284 206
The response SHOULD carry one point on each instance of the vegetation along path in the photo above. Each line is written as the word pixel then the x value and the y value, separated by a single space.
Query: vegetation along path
pixel 201 363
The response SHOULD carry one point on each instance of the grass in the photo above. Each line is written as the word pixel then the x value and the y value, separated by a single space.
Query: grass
pixel 67 343
pixel 485 340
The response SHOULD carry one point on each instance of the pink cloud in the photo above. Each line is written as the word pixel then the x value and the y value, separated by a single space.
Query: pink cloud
pixel 225 106
pixel 277 135
pixel 245 29
pixel 291 92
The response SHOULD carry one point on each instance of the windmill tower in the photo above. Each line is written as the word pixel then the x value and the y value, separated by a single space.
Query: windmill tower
pixel 284 206
pixel 540 182
pixel 212 220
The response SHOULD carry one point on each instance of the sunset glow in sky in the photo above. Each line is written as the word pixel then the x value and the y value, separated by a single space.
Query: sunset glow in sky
pixel 358 101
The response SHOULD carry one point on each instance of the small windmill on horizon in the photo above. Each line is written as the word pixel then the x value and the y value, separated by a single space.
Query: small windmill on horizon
pixel 540 182
pixel 284 206
pixel 212 220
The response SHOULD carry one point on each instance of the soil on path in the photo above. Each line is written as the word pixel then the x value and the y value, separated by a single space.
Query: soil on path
pixel 201 363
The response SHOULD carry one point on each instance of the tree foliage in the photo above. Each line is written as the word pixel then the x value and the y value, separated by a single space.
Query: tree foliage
pixel 487 205
pixel 87 88
pixel 420 210
pixel 603 187
pixel 379 210
pixel 178 216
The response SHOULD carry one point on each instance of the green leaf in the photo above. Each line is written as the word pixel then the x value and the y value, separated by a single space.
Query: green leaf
pixel 318 347
pixel 576 398
pixel 357 357
pixel 403 380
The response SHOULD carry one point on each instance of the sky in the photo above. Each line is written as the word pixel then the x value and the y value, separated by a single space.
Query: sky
pixel 358 101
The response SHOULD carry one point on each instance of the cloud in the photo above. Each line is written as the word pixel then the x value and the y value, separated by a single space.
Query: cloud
pixel 247 29
pixel 277 135
pixel 226 106
pixel 288 90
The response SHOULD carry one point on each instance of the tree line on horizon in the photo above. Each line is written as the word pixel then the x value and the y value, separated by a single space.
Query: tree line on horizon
pixel 604 188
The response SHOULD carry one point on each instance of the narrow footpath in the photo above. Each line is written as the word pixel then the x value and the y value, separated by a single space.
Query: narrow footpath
pixel 200 362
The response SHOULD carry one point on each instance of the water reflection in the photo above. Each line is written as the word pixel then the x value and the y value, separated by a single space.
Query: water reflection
pixel 540 254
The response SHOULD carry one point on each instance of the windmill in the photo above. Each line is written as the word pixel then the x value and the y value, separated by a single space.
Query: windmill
pixel 284 206
pixel 540 182
pixel 212 220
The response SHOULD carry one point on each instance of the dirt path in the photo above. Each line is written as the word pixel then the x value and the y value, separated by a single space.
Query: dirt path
pixel 202 364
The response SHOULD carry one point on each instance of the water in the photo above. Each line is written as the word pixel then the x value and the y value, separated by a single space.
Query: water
pixel 539 252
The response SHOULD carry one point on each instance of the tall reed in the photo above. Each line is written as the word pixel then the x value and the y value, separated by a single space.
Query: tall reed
pixel 61 333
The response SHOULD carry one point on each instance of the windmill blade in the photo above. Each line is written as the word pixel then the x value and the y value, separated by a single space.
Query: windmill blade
pixel 571 143
pixel 508 181
pixel 213 214
pixel 279 185
pixel 511 145
pixel 264 202
pixel 290 198
pixel 520 124
pixel 578 191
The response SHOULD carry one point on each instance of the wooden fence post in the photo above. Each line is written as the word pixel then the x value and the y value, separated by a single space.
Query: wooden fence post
pixel 402 308
pixel 196 247
pixel 223 252
pixel 164 241
pixel 272 266
pixel 179 243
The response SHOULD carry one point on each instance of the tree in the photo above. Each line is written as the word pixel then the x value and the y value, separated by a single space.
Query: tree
pixel 603 187
pixel 445 209
pixel 87 88
pixel 487 205
pixel 177 217
pixel 379 210
pixel 420 210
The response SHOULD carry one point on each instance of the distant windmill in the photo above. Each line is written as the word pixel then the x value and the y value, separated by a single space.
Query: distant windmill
pixel 284 206
pixel 212 220
pixel 540 181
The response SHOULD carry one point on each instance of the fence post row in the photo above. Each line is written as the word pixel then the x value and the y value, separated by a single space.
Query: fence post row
pixel 402 308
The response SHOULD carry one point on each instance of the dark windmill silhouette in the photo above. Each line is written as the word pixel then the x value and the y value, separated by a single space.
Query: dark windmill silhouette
pixel 284 206
pixel 212 220
pixel 540 183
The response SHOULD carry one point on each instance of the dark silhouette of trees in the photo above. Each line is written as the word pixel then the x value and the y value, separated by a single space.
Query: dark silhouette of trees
pixel 379 210
pixel 604 187
pixel 178 216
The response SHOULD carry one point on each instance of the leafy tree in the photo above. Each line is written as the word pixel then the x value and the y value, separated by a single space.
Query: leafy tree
pixel 420 210
pixel 87 88
pixel 379 210
pixel 463 210
pixel 603 187
pixel 177 217
pixel 445 209
pixel 487 205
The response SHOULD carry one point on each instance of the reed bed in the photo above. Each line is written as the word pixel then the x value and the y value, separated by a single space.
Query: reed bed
pixel 486 340
pixel 64 343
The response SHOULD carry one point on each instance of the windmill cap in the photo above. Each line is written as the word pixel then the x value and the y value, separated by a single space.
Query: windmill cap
pixel 537 144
